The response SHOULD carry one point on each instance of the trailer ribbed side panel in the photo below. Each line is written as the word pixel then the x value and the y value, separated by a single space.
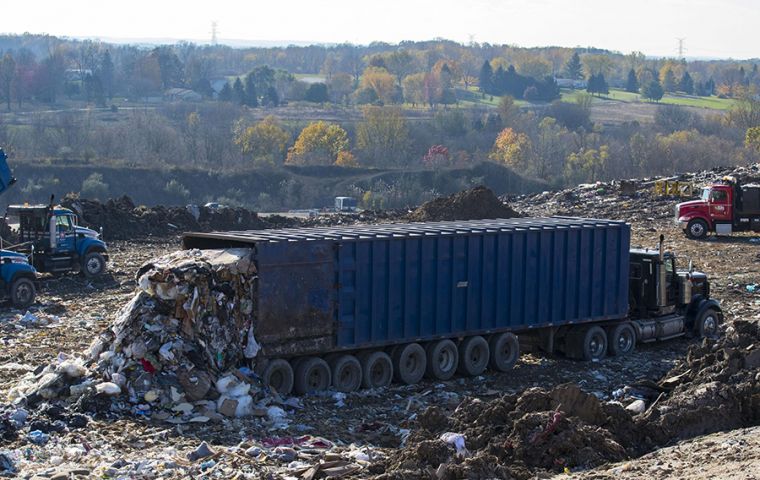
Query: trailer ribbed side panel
pixel 387 284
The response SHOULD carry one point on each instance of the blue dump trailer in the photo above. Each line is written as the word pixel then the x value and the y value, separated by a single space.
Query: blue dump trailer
pixel 364 305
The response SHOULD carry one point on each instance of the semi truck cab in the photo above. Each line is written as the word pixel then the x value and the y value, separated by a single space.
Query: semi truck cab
pixel 722 208
pixel 666 302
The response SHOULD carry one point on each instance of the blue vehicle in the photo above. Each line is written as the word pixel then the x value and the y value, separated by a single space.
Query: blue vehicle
pixel 51 237
pixel 17 276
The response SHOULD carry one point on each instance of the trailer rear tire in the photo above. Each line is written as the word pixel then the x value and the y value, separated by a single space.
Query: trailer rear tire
pixel 279 376
pixel 409 363
pixel 622 339
pixel 587 343
pixel 696 229
pixel 22 292
pixel 505 350
pixel 474 355
pixel 312 375
pixel 346 373
pixel 377 370
pixel 442 360
pixel 706 325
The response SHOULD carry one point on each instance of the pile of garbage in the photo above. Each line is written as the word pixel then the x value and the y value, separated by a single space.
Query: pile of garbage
pixel 474 204
pixel 633 200
pixel 121 219
pixel 172 352
pixel 717 387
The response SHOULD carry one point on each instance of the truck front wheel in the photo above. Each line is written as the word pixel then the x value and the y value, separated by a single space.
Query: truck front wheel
pixel 94 264
pixel 706 325
pixel 23 292
pixel 696 229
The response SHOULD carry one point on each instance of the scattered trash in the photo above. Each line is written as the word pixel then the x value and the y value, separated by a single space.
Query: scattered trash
pixel 37 437
pixel 456 440
pixel 200 453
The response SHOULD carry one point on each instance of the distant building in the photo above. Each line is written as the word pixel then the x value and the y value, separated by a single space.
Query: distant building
pixel 74 74
pixel 570 83
pixel 182 95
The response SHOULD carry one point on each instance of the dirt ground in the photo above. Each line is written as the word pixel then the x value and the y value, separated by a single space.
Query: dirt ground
pixel 360 434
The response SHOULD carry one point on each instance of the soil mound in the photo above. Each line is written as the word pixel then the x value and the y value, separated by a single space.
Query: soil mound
pixel 475 204
pixel 717 387
pixel 121 219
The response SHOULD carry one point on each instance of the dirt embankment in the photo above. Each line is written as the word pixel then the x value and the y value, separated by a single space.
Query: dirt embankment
pixel 716 387
pixel 121 219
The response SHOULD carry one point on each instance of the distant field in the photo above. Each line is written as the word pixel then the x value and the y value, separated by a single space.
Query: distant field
pixel 713 103
pixel 472 97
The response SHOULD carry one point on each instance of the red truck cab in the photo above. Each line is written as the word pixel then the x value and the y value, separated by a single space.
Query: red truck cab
pixel 722 208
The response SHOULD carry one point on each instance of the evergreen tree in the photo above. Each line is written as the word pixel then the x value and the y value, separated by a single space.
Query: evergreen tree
pixel 652 91
pixel 632 85
pixel 251 98
pixel 573 67
pixel 499 82
pixel 669 81
pixel 271 98
pixel 238 92
pixel 486 77
pixel 225 94
pixel 710 87
pixel 597 84
pixel 686 84
pixel 106 74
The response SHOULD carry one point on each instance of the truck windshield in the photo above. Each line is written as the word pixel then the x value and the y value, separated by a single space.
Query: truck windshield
pixel 705 195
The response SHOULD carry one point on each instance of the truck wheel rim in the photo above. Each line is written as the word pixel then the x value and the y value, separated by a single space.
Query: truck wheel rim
pixel 697 230
pixel 93 265
pixel 625 341
pixel 709 326
pixel 276 380
pixel 23 293
pixel 596 346
pixel 446 360
pixel 377 374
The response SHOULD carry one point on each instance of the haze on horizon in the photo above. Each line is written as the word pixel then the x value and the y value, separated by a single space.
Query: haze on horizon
pixel 713 29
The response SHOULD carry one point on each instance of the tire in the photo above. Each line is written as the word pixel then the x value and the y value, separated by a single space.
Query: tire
pixel 696 229
pixel 706 324
pixel 442 360
pixel 22 292
pixel 622 339
pixel 505 350
pixel 587 343
pixel 93 265
pixel 409 363
pixel 312 375
pixel 279 376
pixel 377 370
pixel 346 373
pixel 474 356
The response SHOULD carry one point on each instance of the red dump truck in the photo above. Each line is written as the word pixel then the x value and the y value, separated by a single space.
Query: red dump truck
pixel 723 208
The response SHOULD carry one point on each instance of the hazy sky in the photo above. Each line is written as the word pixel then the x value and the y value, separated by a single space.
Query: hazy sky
pixel 714 28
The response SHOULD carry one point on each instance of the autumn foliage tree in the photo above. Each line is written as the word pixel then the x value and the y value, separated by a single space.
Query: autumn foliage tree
pixel 264 142
pixel 436 156
pixel 379 80
pixel 512 149
pixel 318 144
pixel 383 136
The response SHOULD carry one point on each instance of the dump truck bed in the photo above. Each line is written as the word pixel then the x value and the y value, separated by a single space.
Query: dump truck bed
pixel 354 287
